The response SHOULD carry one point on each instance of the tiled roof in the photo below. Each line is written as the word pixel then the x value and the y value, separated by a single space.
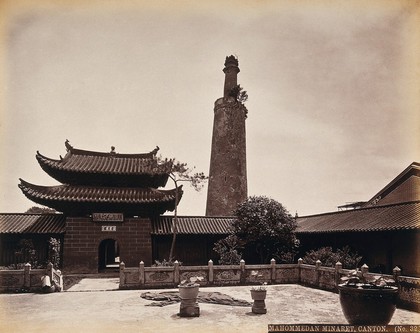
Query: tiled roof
pixel 404 216
pixel 192 225
pixel 403 188
pixel 97 164
pixel 32 223
pixel 68 198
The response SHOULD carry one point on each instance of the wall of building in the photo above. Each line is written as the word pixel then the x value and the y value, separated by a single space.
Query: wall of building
pixel 83 238
pixel 189 249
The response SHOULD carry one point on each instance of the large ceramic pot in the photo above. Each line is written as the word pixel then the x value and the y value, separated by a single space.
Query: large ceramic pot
pixel 189 306
pixel 368 306
pixel 188 292
pixel 258 296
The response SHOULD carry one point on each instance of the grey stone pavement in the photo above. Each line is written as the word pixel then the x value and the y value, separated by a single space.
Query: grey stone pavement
pixel 96 305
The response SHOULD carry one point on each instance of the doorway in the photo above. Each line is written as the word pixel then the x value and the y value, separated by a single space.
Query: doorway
pixel 109 255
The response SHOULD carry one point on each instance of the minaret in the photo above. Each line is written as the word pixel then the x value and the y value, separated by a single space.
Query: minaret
pixel 227 176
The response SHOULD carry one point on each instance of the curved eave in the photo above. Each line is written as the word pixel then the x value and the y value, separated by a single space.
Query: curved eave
pixel 76 200
pixel 109 171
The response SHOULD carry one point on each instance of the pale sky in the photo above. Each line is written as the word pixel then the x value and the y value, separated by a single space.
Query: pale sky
pixel 333 90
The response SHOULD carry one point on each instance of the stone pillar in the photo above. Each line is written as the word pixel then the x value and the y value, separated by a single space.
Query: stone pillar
pixel 273 270
pixel 142 276
pixel 318 264
pixel 242 268
pixel 122 274
pixel 338 268
pixel 50 271
pixel 27 275
pixel 364 269
pixel 211 274
pixel 300 263
pixel 396 272
pixel 177 278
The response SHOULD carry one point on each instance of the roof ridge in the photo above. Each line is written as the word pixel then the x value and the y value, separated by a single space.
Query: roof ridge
pixel 360 209
pixel 112 153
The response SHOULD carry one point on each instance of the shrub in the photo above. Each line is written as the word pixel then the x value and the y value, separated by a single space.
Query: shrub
pixel 227 249
pixel 54 247
pixel 329 257
pixel 165 263
pixel 26 253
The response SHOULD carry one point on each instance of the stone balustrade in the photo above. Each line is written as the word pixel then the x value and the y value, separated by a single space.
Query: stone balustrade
pixel 314 276
pixel 28 279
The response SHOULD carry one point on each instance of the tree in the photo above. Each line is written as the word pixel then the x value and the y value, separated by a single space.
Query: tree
pixel 181 173
pixel 239 94
pixel 266 227
pixel 40 210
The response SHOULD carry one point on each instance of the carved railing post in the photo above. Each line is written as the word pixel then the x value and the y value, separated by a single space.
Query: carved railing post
pixel 50 271
pixel 300 263
pixel 318 264
pixel 273 270
pixel 242 268
pixel 211 273
pixel 338 268
pixel 60 280
pixel 122 274
pixel 27 275
pixel 364 269
pixel 142 275
pixel 396 272
pixel 176 273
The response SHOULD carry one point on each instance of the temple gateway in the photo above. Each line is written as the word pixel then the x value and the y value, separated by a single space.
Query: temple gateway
pixel 109 200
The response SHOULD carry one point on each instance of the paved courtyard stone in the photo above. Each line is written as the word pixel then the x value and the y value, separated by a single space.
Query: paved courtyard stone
pixel 81 310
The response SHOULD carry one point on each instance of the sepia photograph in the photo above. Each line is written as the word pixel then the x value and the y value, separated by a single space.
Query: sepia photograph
pixel 209 166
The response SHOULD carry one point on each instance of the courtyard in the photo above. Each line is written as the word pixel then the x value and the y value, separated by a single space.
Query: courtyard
pixel 96 305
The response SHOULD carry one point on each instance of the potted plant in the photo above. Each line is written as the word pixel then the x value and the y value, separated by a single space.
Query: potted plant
pixel 188 292
pixel 367 299
pixel 258 295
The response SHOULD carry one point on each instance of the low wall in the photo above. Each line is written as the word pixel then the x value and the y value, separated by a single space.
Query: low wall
pixel 27 279
pixel 162 277
pixel 314 276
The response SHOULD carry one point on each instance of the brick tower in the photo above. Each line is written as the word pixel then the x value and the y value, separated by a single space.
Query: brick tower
pixel 227 176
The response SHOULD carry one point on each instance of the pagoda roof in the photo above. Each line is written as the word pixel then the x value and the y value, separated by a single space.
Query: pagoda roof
pixel 80 200
pixel 84 167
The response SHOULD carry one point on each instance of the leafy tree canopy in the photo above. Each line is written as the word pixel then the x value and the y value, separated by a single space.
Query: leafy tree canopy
pixel 239 94
pixel 265 226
